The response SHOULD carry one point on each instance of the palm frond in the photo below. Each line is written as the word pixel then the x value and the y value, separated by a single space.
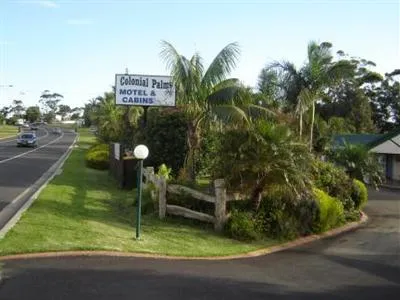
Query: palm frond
pixel 225 95
pixel 258 112
pixel 340 70
pixel 285 66
pixel 304 101
pixel 312 49
pixel 229 113
pixel 176 63
pixel 231 82
pixel 222 65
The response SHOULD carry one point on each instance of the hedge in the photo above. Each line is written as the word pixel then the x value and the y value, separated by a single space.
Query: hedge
pixel 359 194
pixel 331 211
pixel 242 226
pixel 97 157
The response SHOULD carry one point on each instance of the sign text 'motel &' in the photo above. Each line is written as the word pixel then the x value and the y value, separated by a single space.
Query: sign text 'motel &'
pixel 138 90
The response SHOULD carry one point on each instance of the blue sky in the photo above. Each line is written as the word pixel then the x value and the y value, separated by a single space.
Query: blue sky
pixel 76 47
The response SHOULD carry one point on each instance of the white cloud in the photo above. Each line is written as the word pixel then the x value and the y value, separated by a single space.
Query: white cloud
pixel 80 22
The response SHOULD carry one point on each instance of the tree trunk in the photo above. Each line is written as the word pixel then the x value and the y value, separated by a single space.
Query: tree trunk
pixel 256 195
pixel 312 126
pixel 193 144
pixel 301 125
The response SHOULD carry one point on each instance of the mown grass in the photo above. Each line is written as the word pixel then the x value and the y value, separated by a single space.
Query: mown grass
pixel 82 209
pixel 8 131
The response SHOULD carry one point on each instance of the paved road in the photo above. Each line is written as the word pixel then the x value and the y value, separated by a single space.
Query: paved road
pixel 364 264
pixel 21 167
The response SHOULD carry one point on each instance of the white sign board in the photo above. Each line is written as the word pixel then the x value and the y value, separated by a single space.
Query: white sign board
pixel 144 90
pixel 117 151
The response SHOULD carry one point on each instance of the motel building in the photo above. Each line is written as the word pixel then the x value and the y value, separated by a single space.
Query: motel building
pixel 386 146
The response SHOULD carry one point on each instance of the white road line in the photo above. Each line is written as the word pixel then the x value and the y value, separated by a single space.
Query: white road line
pixel 39 138
pixel 27 152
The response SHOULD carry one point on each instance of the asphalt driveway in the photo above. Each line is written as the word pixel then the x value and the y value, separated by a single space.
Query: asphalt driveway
pixel 364 264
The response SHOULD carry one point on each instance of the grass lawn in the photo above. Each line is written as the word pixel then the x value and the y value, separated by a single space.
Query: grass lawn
pixel 82 209
pixel 8 131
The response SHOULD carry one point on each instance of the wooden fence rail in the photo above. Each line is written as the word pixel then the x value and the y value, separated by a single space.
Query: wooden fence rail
pixel 220 199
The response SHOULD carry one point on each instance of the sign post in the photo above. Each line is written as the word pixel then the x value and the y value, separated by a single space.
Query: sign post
pixel 146 91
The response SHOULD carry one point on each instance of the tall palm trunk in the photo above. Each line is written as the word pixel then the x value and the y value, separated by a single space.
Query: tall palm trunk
pixel 256 194
pixel 312 125
pixel 301 124
pixel 193 141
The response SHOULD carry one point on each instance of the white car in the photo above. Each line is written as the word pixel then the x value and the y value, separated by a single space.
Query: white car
pixel 28 139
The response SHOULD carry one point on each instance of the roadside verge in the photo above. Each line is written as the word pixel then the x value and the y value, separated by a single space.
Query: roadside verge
pixel 269 250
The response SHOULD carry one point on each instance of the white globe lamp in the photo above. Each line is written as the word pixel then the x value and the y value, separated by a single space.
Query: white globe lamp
pixel 141 152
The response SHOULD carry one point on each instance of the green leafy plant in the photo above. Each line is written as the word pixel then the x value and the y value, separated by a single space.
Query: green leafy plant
pixel 331 211
pixel 333 180
pixel 97 157
pixel 358 162
pixel 164 171
pixel 165 136
pixel 242 226
pixel 359 194
pixel 276 218
pixel 266 155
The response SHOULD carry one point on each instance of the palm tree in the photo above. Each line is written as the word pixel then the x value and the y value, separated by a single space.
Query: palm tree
pixel 359 163
pixel 207 94
pixel 108 118
pixel 264 156
pixel 308 84
pixel 305 98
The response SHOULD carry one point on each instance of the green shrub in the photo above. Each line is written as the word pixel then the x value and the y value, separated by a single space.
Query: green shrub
pixel 359 194
pixel 165 136
pixel 331 212
pixel 97 160
pixel 242 226
pixel 149 203
pixel 205 157
pixel 99 147
pixel 281 216
pixel 307 214
pixel 164 171
pixel 359 163
pixel 334 181
pixel 97 157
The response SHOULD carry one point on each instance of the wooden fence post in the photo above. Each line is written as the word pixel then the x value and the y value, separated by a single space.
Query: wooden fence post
pixel 149 176
pixel 220 204
pixel 162 196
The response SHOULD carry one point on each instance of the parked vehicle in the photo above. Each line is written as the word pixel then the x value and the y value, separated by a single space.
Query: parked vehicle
pixel 56 131
pixel 27 140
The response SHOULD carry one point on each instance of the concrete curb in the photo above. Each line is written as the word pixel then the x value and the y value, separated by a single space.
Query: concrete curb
pixel 390 187
pixel 301 241
pixel 13 211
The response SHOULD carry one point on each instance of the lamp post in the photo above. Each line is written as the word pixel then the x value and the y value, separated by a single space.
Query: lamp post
pixel 140 152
